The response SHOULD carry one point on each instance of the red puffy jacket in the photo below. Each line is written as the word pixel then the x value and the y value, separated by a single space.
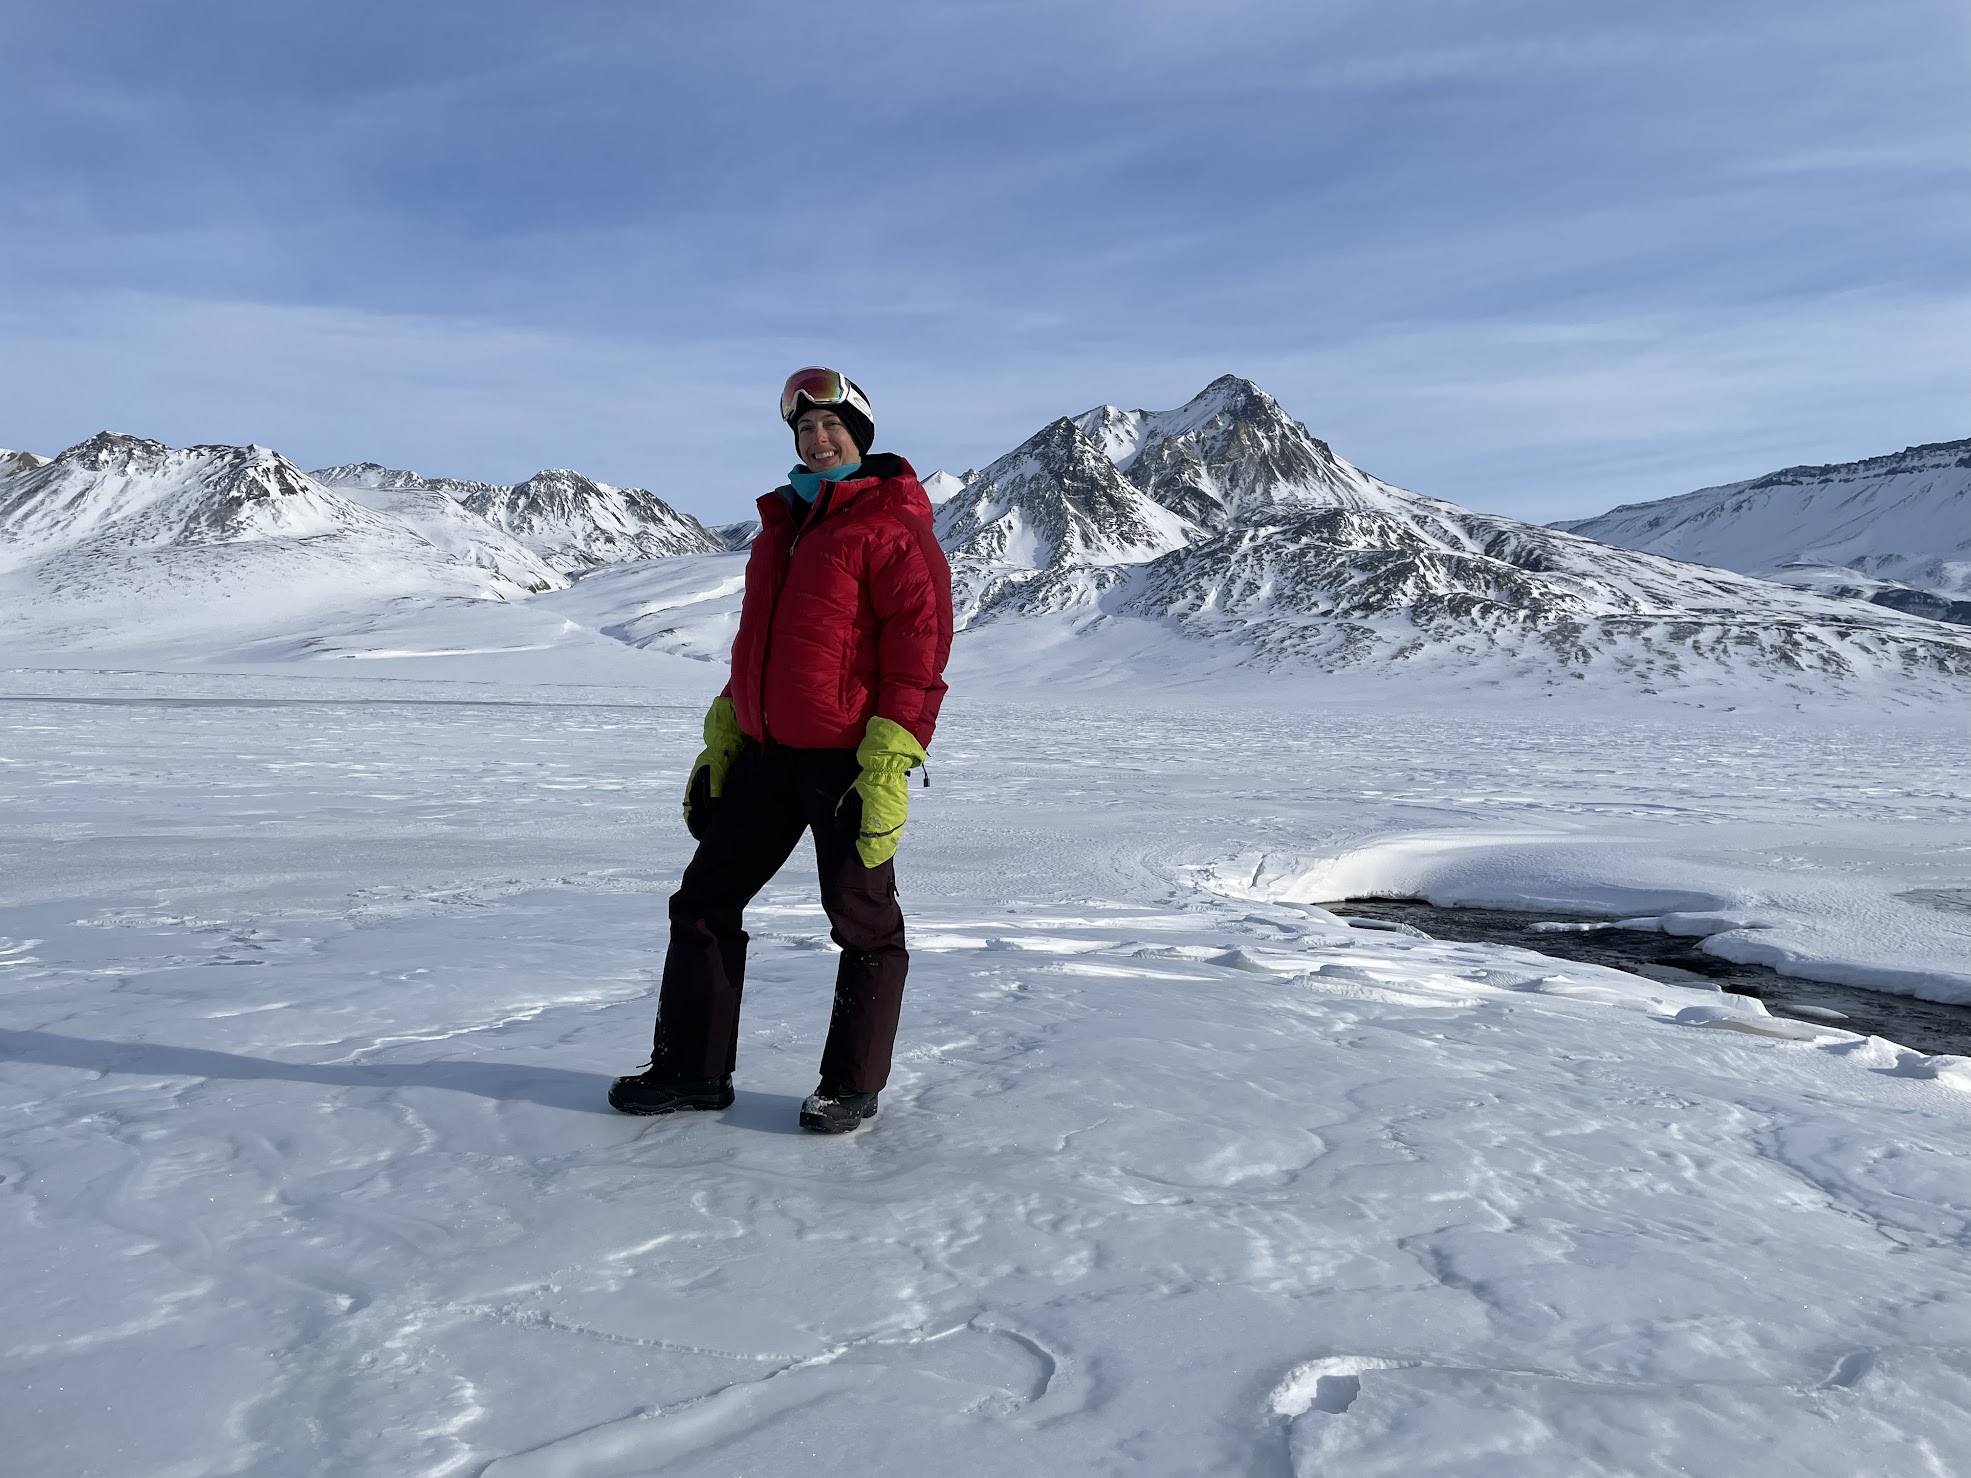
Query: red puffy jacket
pixel 845 618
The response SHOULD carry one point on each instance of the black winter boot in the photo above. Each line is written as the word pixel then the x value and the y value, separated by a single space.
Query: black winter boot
pixel 828 1111
pixel 647 1093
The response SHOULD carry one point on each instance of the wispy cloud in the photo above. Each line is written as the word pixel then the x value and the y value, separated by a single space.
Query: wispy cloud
pixel 1528 254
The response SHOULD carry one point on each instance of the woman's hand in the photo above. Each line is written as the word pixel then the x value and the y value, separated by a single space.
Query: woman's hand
pixel 874 809
pixel 707 783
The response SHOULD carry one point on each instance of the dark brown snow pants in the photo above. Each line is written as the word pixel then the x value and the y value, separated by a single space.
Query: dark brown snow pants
pixel 772 795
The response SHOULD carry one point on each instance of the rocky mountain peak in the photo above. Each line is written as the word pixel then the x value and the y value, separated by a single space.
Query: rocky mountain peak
pixel 119 492
pixel 1122 435
pixel 1228 453
pixel 1064 497
pixel 116 452
pixel 940 485
pixel 365 475
pixel 235 474
pixel 571 521
pixel 251 474
pixel 1060 443
pixel 1054 504
pixel 563 482
pixel 1235 396
pixel 396 479
pixel 1115 432
pixel 575 523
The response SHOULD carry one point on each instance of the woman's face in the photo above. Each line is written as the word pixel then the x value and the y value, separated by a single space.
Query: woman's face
pixel 823 441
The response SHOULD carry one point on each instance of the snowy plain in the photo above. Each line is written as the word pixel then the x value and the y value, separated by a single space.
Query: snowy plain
pixel 317 962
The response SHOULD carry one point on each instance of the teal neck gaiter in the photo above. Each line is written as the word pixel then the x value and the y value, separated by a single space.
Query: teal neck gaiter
pixel 807 485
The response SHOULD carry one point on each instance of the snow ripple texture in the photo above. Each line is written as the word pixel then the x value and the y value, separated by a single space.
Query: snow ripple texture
pixel 310 990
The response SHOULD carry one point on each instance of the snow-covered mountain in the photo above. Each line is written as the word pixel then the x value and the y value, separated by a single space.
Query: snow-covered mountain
pixel 116 491
pixel 1842 583
pixel 576 523
pixel 1886 529
pixel 738 535
pixel 12 462
pixel 1049 526
pixel 940 485
pixel 376 476
pixel 1228 519
pixel 120 536
pixel 1114 546
pixel 572 522
pixel 1230 454
pixel 448 525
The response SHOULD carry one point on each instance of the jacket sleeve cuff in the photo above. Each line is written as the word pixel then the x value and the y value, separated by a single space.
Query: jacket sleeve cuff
pixel 888 745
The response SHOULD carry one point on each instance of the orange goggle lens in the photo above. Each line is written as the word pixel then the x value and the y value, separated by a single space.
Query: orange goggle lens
pixel 819 386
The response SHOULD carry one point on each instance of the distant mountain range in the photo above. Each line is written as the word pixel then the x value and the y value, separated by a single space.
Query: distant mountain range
pixel 120 537
pixel 574 523
pixel 1228 519
pixel 1223 526
pixel 1894 530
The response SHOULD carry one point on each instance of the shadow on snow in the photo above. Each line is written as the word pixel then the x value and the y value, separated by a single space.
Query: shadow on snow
pixel 551 1087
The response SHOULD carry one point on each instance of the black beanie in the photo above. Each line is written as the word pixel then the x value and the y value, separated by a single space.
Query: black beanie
pixel 861 429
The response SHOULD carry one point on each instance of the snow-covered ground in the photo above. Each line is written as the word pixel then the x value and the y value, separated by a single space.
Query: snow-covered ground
pixel 311 986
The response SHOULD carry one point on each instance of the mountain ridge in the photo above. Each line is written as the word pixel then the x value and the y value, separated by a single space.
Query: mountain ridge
pixel 572 522
pixel 1216 536
pixel 1890 529
pixel 12 461
pixel 136 493
pixel 120 540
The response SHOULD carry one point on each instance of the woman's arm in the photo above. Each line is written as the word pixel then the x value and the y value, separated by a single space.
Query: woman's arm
pixel 910 590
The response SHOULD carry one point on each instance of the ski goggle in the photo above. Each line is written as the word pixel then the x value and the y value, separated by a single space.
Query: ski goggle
pixel 819 386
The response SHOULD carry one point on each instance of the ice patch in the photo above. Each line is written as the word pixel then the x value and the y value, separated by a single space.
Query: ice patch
pixel 1328 1385
pixel 1758 1024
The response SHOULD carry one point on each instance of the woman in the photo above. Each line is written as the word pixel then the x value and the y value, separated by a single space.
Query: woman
pixel 837 675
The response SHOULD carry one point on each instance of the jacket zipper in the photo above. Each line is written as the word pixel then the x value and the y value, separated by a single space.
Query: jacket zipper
pixel 766 644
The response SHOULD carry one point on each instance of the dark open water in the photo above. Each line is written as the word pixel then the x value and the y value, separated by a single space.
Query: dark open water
pixel 1924 1025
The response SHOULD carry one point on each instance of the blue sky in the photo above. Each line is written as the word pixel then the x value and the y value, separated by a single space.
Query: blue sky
pixel 1534 256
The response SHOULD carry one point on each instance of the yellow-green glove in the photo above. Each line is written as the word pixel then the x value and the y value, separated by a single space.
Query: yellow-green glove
pixel 875 806
pixel 708 771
